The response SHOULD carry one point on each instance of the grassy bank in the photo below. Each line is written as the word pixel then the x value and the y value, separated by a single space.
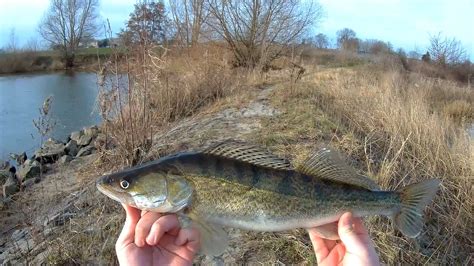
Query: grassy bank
pixel 397 128
pixel 31 61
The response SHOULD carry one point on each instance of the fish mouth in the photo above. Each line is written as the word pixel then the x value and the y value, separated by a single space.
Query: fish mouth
pixel 111 192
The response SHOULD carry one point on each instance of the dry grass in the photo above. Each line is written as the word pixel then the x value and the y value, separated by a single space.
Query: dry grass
pixel 389 124
pixel 158 87
pixel 88 238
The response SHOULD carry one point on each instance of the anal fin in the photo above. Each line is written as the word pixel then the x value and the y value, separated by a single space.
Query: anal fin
pixel 327 231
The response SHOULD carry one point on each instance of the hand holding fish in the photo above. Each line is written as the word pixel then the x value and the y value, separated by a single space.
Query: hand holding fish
pixel 150 238
pixel 355 247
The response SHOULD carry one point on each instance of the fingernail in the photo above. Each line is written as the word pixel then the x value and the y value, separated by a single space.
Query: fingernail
pixel 150 240
pixel 348 222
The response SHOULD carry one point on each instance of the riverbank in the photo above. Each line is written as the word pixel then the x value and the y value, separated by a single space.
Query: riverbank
pixel 37 61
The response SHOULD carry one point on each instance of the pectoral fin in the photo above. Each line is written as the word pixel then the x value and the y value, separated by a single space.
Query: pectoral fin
pixel 214 239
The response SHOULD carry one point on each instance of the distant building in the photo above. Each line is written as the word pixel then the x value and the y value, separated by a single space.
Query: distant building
pixel 114 42
pixel 89 44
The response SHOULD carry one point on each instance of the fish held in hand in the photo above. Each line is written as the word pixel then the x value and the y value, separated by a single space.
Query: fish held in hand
pixel 234 184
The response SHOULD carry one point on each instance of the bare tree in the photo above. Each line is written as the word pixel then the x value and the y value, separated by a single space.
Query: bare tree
pixel 321 41
pixel 68 22
pixel 32 45
pixel 12 45
pixel 374 46
pixel 257 31
pixel 446 51
pixel 347 40
pixel 189 17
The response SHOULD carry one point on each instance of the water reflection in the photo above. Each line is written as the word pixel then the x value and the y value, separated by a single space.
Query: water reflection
pixel 74 97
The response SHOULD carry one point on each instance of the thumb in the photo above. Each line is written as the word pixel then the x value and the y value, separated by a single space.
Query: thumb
pixel 349 235
pixel 128 232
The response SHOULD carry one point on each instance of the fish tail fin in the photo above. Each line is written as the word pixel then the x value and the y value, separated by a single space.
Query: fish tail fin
pixel 415 197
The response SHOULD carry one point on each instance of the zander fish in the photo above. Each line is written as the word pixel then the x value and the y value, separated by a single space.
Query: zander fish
pixel 234 184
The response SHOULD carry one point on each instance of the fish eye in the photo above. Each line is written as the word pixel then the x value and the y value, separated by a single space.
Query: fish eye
pixel 124 184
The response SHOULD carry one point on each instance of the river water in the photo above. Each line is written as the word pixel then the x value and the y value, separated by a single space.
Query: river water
pixel 73 107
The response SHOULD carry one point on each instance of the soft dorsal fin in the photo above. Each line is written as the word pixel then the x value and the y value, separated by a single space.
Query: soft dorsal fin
pixel 248 153
pixel 327 164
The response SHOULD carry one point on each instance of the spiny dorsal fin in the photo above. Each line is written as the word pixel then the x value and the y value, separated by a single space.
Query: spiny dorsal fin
pixel 248 153
pixel 327 164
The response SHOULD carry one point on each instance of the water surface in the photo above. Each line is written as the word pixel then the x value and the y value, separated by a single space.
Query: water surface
pixel 73 107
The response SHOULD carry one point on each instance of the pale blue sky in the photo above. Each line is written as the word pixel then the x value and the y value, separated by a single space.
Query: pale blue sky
pixel 405 23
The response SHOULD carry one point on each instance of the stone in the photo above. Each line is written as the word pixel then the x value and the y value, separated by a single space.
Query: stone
pixel 71 148
pixel 18 234
pixel 28 183
pixel 30 170
pixel 4 165
pixel 76 135
pixel 100 140
pixel 4 175
pixel 51 151
pixel 3 204
pixel 84 140
pixel 89 134
pixel 35 163
pixel 23 241
pixel 93 131
pixel 21 158
pixel 10 187
pixel 59 219
pixel 65 159
pixel 86 151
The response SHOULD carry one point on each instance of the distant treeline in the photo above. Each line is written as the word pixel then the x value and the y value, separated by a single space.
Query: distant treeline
pixel 22 61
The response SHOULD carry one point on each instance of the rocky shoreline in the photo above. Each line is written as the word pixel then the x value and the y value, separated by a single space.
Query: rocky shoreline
pixel 78 144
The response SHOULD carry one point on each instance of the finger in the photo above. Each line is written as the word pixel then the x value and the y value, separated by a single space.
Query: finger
pixel 143 227
pixel 359 227
pixel 128 232
pixel 335 256
pixel 161 226
pixel 349 235
pixel 189 237
pixel 167 242
pixel 319 245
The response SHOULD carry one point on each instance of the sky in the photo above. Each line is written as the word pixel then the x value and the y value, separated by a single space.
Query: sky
pixel 406 24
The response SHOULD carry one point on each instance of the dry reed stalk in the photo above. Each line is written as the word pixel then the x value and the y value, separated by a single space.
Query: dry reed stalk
pixel 406 140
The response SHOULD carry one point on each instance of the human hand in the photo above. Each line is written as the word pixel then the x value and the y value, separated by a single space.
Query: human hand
pixel 150 238
pixel 354 248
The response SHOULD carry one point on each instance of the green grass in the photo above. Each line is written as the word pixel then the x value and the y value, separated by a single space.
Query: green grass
pixel 95 51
